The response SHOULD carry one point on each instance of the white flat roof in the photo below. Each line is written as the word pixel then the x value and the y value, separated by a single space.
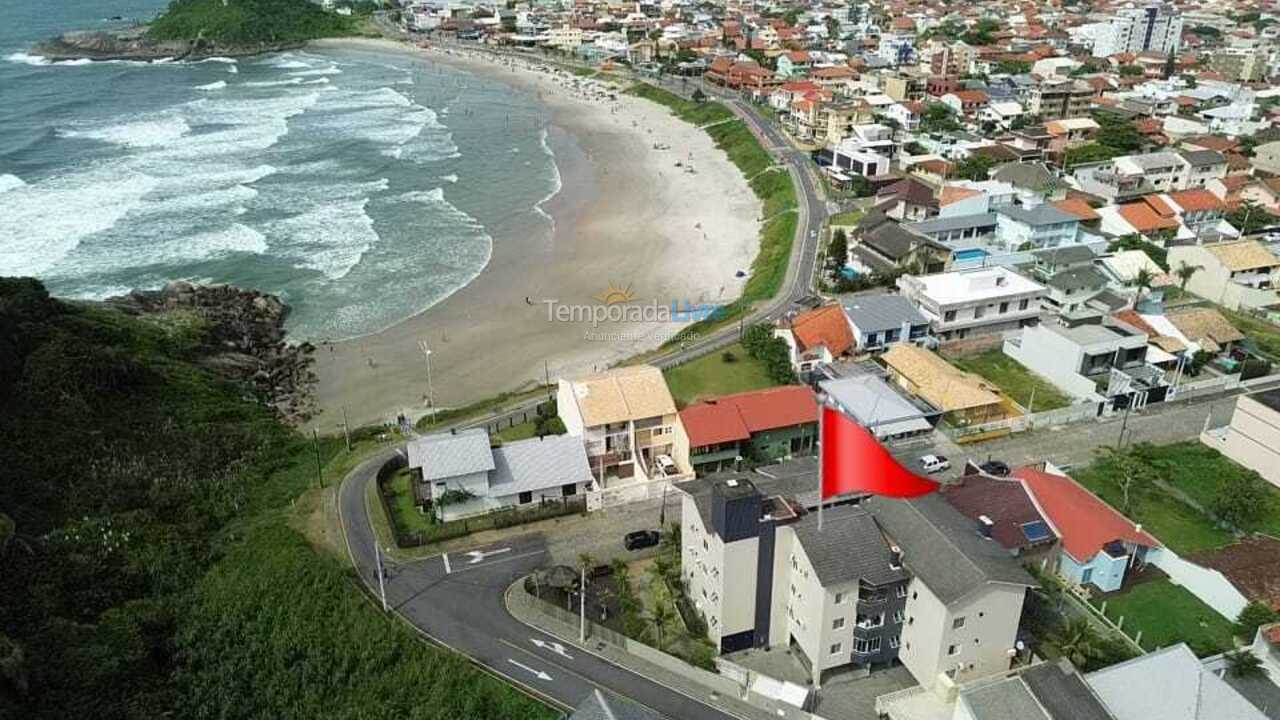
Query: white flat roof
pixel 978 284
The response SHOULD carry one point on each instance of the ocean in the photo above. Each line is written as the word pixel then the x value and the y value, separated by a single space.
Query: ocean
pixel 360 186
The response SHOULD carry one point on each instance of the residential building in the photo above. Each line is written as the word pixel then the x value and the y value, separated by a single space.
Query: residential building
pixel 1003 510
pixel 1238 274
pixel 758 426
pixel 552 468
pixel 1123 268
pixel 1071 289
pixel 1098 545
pixel 1170 684
pixel 883 579
pixel 1164 171
pixel 965 102
pixel 1080 359
pixel 1203 166
pixel 906 86
pixel 1206 327
pixel 879 407
pixel 1266 158
pixel 565 37
pixel 1155 28
pixel 628 420
pixel 1246 64
pixel 963 398
pixel 1058 99
pixel 816 337
pixel 907 200
pixel 879 321
pixel 1253 436
pixel 1036 226
pixel 979 301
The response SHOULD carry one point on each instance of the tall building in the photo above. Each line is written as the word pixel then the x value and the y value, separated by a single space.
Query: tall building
pixel 1152 28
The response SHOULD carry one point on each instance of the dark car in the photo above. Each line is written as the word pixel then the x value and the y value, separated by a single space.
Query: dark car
pixel 641 539
pixel 995 467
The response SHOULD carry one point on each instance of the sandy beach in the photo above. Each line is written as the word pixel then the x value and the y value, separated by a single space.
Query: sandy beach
pixel 627 217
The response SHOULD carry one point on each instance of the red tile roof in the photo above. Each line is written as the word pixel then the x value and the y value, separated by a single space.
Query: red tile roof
pixel 1196 200
pixel 1134 318
pixel 1004 502
pixel 1143 218
pixel 826 325
pixel 1085 523
pixel 736 417
pixel 1077 207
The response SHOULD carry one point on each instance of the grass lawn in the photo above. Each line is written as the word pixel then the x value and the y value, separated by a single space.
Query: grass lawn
pixel 1178 525
pixel 407 516
pixel 710 375
pixel 520 431
pixel 1198 471
pixel 1167 614
pixel 1264 335
pixel 846 218
pixel 1015 380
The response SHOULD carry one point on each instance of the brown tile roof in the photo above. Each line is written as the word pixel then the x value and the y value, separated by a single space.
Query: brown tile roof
pixel 626 393
pixel 1252 565
pixel 1201 323
pixel 1243 255
pixel 1004 502
pixel 945 386
pixel 1077 207
pixel 826 326
pixel 1196 200
pixel 735 417
pixel 1143 218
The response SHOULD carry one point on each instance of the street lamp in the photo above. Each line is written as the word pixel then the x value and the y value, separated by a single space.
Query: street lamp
pixel 431 399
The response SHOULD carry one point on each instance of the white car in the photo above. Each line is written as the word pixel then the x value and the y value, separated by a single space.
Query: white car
pixel 934 463
pixel 666 465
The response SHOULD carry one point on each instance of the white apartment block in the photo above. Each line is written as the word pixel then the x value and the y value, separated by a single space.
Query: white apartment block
pixel 1151 28
pixel 980 301
pixel 882 580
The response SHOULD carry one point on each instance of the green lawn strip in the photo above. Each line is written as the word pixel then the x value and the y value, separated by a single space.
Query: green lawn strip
pixel 453 416
pixel 1015 380
pixel 519 431
pixel 1178 525
pixel 711 376
pixel 774 187
pixel 1167 614
pixel 404 506
pixel 1265 335
pixel 846 218
pixel 742 147
pixel 1199 471
pixel 691 112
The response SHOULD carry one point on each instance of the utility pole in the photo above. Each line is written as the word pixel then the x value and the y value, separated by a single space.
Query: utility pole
pixel 546 373
pixel 1124 423
pixel 382 585
pixel 315 442
pixel 431 396
pixel 582 609
pixel 346 429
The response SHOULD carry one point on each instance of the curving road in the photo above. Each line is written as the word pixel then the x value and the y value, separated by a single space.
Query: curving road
pixel 457 599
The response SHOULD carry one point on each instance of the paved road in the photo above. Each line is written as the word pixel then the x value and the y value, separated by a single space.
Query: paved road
pixel 457 600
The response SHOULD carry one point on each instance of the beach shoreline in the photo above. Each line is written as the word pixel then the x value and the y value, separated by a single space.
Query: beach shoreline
pixel 663 225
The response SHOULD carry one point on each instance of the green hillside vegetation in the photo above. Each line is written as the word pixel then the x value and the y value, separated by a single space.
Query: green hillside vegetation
pixel 150 565
pixel 249 22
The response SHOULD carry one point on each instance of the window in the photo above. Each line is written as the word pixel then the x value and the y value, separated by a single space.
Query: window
pixel 957 623
pixel 526 498
pixel 949 316
pixel 866 646
pixel 979 311
pixel 835 649
pixel 1024 304
pixel 895 641
pixel 839 623
pixel 953 650
pixel 915 596
pixel 870 621
pixel 901 591
pixel 1004 308
pixel 898 616
pixel 1086 576
pixel 839 598
pixel 569 490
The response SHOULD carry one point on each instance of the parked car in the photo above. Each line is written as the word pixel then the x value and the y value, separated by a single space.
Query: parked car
pixel 995 467
pixel 666 465
pixel 934 463
pixel 641 539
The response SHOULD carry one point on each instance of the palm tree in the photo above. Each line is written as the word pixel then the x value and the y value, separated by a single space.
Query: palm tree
pixel 1142 281
pixel 1078 641
pixel 660 617
pixel 1184 272
pixel 1244 664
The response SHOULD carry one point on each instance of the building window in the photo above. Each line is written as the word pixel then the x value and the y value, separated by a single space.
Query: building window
pixel 902 591
pixel 526 498
pixel 866 646
pixel 953 650
pixel 569 490
pixel 898 616
pixel 1024 304
pixel 1004 308
pixel 895 641
pixel 870 621
pixel 979 311
pixel 837 624
pixel 835 649
pixel 949 316
pixel 957 623
pixel 839 598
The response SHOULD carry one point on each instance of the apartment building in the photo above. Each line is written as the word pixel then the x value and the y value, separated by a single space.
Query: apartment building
pixel 628 421
pixel 882 580
pixel 1155 28
pixel 980 301
pixel 1162 171
pixel 1060 99
pixel 1246 64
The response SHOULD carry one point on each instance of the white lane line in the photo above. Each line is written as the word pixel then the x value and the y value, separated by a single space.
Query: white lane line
pixel 536 673
pixel 554 647
pixel 447 569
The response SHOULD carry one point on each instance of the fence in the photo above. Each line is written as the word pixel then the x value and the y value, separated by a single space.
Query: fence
pixel 1211 586
pixel 627 494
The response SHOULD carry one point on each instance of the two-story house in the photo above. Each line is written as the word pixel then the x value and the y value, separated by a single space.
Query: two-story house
pixel 1238 274
pixel 879 321
pixel 1035 227
pixel 882 580
pixel 1079 359
pixel 627 419
pixel 974 302
pixel 757 426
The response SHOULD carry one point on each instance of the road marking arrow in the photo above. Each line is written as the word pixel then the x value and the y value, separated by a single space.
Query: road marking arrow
pixel 554 647
pixel 480 555
pixel 536 673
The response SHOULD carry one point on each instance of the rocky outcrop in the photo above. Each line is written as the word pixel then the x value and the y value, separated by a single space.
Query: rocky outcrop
pixel 135 44
pixel 245 340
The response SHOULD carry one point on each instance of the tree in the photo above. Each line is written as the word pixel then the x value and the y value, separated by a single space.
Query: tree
pixel 1132 473
pixel 1131 70
pixel 981 32
pixel 974 167
pixel 1013 67
pixel 1242 498
pixel 1078 641
pixel 837 253
pixel 1170 66
pixel 937 117
pixel 1253 616
pixel 1250 218
pixel 699 96
pixel 1117 133
pixel 1244 664
pixel 660 617
pixel 1089 153
pixel 1142 283
pixel 1185 271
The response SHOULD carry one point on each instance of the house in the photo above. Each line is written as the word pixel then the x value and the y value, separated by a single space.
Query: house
pixel 879 321
pixel 1241 274
pixel 1123 268
pixel 1036 226
pixel 878 407
pixel 816 336
pixel 1080 359
pixel 759 426
pixel 1002 114
pixel 1054 99
pixel 1266 158
pixel 1170 684
pixel 1203 166
pixel 1098 545
pixel 793 63
pixel 965 398
pixel 965 102
pixel 1206 327
pixel 1070 289
pixel 884 246
pixel 1003 510
pixel 628 420
pixel 1164 171
pixel 1252 438
pixel 907 200
pixel 1198 209
pixel 978 301
pixel 538 470
pixel 884 580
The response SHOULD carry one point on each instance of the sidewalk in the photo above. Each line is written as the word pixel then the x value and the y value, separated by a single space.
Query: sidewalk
pixel 524 608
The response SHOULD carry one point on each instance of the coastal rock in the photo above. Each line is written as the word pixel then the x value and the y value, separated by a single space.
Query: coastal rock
pixel 245 339
pixel 134 44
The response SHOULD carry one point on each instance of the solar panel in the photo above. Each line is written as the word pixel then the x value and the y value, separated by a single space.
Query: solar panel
pixel 1036 531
